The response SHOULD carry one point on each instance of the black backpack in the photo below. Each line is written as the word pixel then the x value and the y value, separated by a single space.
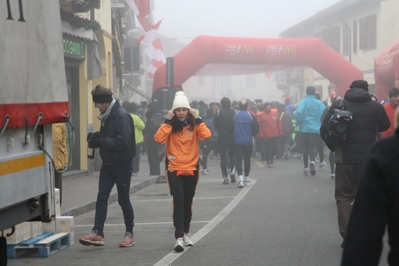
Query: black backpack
pixel 337 126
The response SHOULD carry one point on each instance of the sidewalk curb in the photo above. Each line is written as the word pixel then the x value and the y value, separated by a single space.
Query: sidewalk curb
pixel 89 206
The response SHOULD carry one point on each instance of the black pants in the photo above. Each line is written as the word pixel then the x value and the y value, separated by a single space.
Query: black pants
pixel 346 181
pixel 243 153
pixel 206 148
pixel 226 151
pixel 182 189
pixel 153 155
pixel 310 143
pixel 136 159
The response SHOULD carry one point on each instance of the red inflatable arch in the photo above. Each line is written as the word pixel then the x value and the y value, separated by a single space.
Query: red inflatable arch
pixel 386 70
pixel 205 55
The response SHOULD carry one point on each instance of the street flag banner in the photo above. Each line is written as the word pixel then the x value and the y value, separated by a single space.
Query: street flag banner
pixel 139 7
pixel 151 71
pixel 155 54
pixel 148 37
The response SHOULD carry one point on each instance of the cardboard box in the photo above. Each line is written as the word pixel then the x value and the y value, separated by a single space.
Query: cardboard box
pixel 36 228
pixel 49 227
pixel 65 224
pixel 21 233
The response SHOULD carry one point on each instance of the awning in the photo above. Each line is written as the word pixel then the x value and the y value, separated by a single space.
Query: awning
pixel 81 32
pixel 94 63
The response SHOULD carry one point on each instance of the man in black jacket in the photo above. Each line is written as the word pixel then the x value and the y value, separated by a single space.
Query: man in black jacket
pixel 224 125
pixel 376 207
pixel 117 145
pixel 369 118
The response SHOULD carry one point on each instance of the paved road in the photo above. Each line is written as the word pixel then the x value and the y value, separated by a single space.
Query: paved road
pixel 283 218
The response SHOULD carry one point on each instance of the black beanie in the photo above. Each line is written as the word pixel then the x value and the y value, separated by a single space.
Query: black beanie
pixel 310 90
pixel 360 84
pixel 393 92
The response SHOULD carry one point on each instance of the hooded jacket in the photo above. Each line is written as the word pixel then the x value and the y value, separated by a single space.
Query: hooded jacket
pixel 118 144
pixel 369 118
pixel 308 114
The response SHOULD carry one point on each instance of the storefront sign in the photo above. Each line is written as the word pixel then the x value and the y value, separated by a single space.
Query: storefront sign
pixel 74 47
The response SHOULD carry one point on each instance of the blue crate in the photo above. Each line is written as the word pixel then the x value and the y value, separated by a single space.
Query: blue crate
pixel 46 245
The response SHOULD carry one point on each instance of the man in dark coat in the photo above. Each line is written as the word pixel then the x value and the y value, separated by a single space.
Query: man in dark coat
pixel 116 141
pixel 369 118
pixel 376 207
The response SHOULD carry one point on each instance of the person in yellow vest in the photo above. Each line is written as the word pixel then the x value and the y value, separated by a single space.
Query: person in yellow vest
pixel 60 154
pixel 139 126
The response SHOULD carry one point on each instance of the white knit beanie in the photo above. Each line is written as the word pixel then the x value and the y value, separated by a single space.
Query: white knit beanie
pixel 180 101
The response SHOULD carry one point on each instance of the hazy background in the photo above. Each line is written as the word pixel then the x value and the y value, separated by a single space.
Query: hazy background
pixel 186 19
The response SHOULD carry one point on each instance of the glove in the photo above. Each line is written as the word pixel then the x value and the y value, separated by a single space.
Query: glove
pixel 94 142
pixel 91 135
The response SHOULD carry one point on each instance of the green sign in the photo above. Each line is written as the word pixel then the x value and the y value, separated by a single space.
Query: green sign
pixel 74 47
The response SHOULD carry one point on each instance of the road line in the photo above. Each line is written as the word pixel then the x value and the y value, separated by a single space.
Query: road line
pixel 259 163
pixel 138 224
pixel 172 256
pixel 170 199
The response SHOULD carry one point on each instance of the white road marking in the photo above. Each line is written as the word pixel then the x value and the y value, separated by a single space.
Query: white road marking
pixel 172 256
pixel 138 224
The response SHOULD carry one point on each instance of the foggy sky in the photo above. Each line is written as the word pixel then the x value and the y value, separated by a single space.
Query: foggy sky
pixel 186 19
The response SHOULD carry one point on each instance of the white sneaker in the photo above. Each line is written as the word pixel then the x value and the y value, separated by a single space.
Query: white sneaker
pixel 204 171
pixel 306 171
pixel 322 165
pixel 312 168
pixel 247 181
pixel 179 245
pixel 332 176
pixel 187 241
pixel 240 184
pixel 225 181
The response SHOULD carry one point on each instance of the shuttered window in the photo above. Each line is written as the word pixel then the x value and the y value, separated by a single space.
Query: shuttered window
pixel 368 32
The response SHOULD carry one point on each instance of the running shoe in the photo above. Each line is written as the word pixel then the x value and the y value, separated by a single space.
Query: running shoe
pixel 127 241
pixel 187 241
pixel 93 239
pixel 312 168
pixel 179 245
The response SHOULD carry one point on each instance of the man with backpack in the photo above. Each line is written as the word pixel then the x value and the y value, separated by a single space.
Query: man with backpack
pixel 368 118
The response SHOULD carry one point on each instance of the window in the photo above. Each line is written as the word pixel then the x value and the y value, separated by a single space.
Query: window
pixel 346 37
pixel 354 36
pixel 332 37
pixel 368 32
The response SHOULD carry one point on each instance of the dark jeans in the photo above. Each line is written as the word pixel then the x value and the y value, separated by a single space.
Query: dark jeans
pixel 206 148
pixel 346 181
pixel 243 152
pixel 226 151
pixel 331 160
pixel 310 143
pixel 182 189
pixel 153 155
pixel 136 159
pixel 269 147
pixel 109 176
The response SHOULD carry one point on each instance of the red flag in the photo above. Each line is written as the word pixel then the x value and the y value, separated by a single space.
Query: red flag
pixel 143 6
pixel 149 36
pixel 158 55
pixel 139 7
pixel 145 22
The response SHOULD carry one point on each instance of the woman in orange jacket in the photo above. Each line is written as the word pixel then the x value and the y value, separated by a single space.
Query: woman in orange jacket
pixel 181 131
